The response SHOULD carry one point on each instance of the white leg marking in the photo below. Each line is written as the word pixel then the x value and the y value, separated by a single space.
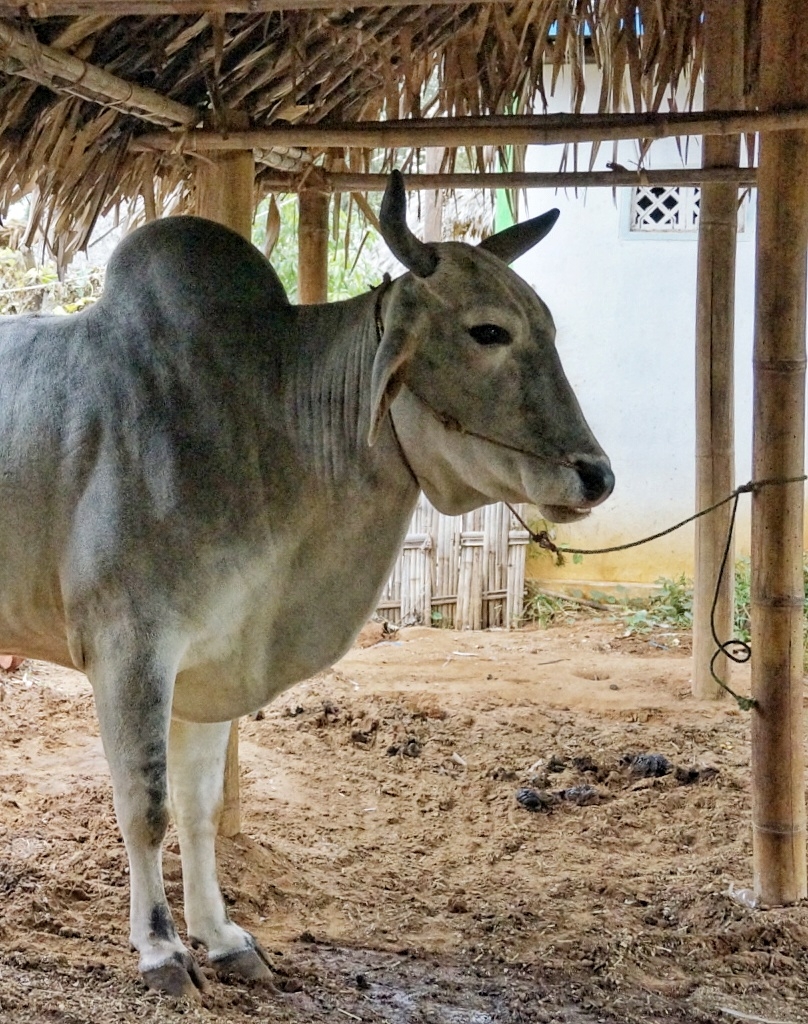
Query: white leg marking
pixel 195 780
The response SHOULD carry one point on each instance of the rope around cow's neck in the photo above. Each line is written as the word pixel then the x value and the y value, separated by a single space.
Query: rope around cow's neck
pixel 735 649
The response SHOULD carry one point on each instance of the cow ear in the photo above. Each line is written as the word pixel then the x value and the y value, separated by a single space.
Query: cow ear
pixel 513 242
pixel 394 353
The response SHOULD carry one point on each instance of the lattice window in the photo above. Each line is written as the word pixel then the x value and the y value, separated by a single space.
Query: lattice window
pixel 664 208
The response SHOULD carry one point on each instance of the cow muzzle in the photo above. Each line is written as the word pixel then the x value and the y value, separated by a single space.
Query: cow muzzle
pixel 595 483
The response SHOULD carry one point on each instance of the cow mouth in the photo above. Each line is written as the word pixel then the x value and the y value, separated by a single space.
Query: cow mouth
pixel 563 513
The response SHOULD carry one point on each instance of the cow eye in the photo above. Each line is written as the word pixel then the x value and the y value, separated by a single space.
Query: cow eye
pixel 490 334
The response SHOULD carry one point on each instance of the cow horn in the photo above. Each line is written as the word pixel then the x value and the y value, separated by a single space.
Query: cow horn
pixel 416 255
pixel 513 242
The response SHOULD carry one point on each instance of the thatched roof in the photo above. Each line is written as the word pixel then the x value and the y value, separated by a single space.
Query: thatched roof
pixel 74 156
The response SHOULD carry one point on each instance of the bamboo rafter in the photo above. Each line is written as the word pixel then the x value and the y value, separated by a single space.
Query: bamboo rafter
pixel 22 54
pixel 152 8
pixel 456 133
pixel 230 59
pixel 345 182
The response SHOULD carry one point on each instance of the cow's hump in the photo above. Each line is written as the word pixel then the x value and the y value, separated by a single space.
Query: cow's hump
pixel 190 259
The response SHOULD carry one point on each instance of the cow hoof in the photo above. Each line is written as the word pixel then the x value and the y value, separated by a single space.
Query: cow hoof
pixel 251 964
pixel 178 977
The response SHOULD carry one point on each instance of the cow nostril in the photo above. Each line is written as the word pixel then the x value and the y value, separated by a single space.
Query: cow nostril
pixel 596 477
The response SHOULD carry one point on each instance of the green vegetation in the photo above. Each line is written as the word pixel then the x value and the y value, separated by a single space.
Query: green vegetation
pixel 29 287
pixel 669 608
pixel 351 268
pixel 743 597
pixel 26 287
pixel 546 610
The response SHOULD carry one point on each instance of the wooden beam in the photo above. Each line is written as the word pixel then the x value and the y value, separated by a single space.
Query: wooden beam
pixel 21 54
pixel 778 786
pixel 347 182
pixel 312 247
pixel 154 8
pixel 715 339
pixel 230 819
pixel 225 193
pixel 491 130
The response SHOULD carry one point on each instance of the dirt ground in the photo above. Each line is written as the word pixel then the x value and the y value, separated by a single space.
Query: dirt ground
pixel 387 865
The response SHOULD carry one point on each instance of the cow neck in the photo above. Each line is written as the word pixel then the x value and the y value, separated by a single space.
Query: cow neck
pixel 448 422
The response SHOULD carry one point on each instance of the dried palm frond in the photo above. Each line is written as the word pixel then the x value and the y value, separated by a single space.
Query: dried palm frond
pixel 342 64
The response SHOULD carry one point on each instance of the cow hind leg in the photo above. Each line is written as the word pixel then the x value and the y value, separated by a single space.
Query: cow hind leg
pixel 133 705
pixel 197 755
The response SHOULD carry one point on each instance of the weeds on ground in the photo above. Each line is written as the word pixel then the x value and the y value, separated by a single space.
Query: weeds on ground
pixel 546 608
pixel 743 598
pixel 669 608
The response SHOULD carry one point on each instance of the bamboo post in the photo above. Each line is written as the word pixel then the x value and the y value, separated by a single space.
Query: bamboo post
pixel 715 335
pixel 224 190
pixel 778 797
pixel 312 252
pixel 433 201
pixel 224 193
pixel 517 556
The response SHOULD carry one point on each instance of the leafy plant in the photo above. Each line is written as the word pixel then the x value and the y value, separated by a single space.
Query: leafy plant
pixel 674 605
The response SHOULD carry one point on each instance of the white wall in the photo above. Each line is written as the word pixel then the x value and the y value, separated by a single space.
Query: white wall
pixel 624 306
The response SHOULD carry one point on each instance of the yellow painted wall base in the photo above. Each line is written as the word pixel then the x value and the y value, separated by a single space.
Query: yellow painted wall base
pixel 669 557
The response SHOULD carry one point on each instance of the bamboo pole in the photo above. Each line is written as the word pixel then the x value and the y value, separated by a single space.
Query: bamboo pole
pixel 778 796
pixel 489 130
pixel 312 251
pixel 433 200
pixel 715 339
pixel 21 54
pixel 151 8
pixel 225 193
pixel 350 182
pixel 224 190
pixel 230 820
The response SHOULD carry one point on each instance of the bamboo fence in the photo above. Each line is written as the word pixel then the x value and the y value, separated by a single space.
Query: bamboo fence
pixel 464 572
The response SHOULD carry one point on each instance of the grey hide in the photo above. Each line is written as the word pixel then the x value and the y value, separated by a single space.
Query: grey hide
pixel 192 466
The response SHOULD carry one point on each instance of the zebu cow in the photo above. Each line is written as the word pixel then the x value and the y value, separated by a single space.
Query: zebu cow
pixel 173 460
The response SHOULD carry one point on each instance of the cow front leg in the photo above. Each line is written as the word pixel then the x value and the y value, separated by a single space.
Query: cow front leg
pixel 133 709
pixel 197 755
